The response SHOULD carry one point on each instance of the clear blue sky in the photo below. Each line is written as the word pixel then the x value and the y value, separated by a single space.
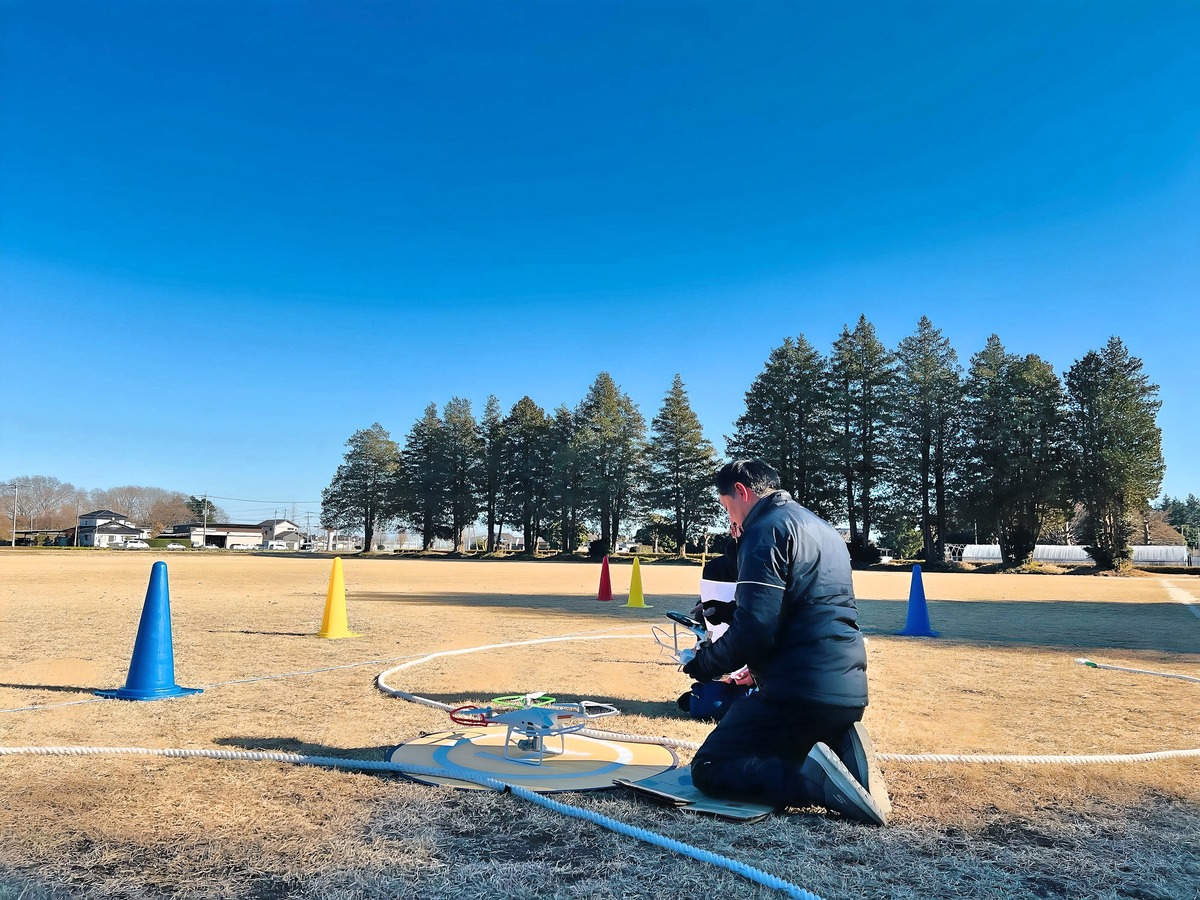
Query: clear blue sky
pixel 233 233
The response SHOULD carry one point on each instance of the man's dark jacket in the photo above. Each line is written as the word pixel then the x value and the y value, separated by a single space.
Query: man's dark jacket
pixel 795 624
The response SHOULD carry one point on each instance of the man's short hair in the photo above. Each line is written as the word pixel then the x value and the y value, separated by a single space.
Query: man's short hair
pixel 754 474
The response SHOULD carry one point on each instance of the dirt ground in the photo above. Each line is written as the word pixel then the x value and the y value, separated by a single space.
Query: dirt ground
pixel 1002 678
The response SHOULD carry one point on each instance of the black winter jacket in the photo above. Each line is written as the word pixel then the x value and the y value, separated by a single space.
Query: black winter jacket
pixel 795 624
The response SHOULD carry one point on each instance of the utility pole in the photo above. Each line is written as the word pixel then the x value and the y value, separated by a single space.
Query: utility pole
pixel 14 530
pixel 204 531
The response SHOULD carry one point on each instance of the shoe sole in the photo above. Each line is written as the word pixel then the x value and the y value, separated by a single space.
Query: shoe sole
pixel 864 769
pixel 842 791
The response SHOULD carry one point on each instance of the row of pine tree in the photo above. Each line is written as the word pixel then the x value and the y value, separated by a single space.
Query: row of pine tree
pixel 901 443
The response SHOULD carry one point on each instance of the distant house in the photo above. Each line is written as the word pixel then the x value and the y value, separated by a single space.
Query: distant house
pixel 107 528
pixel 272 528
pixel 281 531
pixel 227 535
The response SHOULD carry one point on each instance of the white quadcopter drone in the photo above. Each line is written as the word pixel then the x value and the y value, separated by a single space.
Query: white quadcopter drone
pixel 533 718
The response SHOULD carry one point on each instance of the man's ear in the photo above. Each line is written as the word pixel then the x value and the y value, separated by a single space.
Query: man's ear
pixel 743 492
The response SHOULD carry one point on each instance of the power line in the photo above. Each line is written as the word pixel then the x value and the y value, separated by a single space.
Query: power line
pixel 244 500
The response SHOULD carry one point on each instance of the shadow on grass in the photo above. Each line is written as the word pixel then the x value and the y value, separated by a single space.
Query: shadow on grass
pixel 652 709
pixel 558 604
pixel 303 748
pixel 268 633
pixel 64 688
pixel 1166 627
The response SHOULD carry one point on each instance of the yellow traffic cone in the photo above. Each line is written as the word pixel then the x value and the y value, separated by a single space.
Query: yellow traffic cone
pixel 334 624
pixel 635 587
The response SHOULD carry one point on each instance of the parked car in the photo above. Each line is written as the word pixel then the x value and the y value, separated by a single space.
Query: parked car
pixel 174 546
pixel 136 545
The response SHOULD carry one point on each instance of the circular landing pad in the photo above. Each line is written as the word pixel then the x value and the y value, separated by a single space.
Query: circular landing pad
pixel 588 764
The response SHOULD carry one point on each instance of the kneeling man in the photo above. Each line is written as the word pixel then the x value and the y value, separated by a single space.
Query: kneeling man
pixel 799 739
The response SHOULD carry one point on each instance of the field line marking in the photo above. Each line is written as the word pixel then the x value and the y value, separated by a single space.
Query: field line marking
pixel 1179 595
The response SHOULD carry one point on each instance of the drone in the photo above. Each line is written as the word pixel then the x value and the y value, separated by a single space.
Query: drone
pixel 532 718
pixel 684 625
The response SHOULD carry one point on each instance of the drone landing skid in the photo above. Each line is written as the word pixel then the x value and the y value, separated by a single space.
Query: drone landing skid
pixel 532 742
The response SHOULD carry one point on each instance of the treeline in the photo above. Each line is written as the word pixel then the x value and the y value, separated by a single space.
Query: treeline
pixel 42 501
pixel 901 442
pixel 552 475
pixel 1183 515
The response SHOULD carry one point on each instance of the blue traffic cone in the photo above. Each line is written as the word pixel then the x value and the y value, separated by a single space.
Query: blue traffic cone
pixel 917 624
pixel 152 669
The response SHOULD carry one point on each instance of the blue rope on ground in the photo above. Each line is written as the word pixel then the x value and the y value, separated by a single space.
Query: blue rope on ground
pixel 748 872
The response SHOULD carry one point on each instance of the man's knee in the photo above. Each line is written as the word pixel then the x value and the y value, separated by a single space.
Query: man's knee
pixel 704 774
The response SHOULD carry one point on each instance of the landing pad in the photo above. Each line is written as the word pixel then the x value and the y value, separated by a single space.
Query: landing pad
pixel 588 764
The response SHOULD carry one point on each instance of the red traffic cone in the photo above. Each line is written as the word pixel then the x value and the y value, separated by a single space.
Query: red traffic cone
pixel 605 582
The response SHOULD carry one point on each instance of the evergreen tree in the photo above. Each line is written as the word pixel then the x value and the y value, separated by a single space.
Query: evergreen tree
pixel 360 494
pixel 421 484
pixel 491 436
pixel 461 465
pixel 1118 446
pixel 863 378
pixel 787 423
pixel 205 510
pixel 527 461
pixel 1184 515
pixel 927 431
pixel 1016 465
pixel 682 463
pixel 611 437
pixel 566 489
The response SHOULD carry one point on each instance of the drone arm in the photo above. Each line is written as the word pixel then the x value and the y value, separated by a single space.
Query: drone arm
pixel 470 715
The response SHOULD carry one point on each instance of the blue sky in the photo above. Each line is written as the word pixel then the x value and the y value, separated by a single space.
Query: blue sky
pixel 233 233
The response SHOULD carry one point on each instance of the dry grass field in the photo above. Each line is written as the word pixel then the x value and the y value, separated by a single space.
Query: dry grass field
pixel 1002 678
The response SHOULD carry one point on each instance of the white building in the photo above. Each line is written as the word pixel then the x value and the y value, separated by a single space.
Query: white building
pixel 280 534
pixel 227 535
pixel 106 528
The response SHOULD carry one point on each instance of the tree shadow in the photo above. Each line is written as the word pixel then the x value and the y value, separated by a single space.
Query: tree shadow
pixel 652 709
pixel 553 604
pixel 304 748
pixel 267 633
pixel 63 688
pixel 1163 627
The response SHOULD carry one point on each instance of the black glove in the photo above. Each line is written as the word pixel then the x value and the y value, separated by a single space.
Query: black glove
pixel 718 612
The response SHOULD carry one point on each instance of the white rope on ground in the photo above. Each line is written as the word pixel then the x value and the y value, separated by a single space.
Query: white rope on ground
pixel 1095 665
pixel 381 678
pixel 766 879
pixel 1111 758
pixel 985 758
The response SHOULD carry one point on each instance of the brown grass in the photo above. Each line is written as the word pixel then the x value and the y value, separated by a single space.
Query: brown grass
pixel 1001 679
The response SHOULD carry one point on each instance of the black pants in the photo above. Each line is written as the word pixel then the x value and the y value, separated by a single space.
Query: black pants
pixel 756 750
